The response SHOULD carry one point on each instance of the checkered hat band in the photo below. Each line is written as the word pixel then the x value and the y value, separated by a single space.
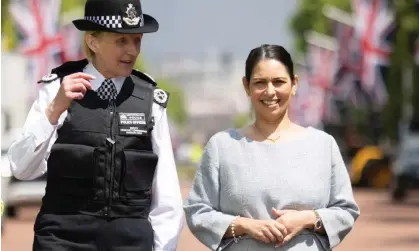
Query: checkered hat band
pixel 107 21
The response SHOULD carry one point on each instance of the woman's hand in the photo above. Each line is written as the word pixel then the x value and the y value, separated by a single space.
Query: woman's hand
pixel 267 231
pixel 295 221
pixel 73 86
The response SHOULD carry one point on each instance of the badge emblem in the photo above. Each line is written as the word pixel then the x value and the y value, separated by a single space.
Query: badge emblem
pixel 132 124
pixel 132 17
pixel 49 78
pixel 160 96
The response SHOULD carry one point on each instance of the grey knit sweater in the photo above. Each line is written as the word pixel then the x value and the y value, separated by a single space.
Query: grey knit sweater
pixel 239 176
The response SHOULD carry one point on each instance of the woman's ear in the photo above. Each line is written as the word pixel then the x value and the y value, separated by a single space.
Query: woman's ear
pixel 91 41
pixel 246 86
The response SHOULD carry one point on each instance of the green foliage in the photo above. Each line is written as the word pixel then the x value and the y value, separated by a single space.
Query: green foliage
pixel 310 17
pixel 407 15
pixel 395 89
pixel 176 110
pixel 8 34
pixel 415 93
pixel 402 60
pixel 4 12
pixel 240 120
pixel 176 107
pixel 67 5
pixel 140 65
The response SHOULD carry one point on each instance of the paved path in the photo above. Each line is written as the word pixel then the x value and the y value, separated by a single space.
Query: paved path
pixel 381 227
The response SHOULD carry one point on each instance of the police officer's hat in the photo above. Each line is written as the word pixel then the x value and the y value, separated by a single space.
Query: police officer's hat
pixel 120 16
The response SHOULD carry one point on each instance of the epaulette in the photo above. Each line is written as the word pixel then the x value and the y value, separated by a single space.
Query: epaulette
pixel 46 79
pixel 144 76
pixel 161 97
pixel 63 70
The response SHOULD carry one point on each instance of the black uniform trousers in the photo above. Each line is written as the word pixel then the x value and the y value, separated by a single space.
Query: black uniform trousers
pixel 89 233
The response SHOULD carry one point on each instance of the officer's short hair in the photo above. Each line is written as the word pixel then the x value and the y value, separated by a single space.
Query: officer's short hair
pixel 88 53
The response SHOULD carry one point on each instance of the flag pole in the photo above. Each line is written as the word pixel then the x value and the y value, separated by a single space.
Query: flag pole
pixel 321 40
pixel 338 15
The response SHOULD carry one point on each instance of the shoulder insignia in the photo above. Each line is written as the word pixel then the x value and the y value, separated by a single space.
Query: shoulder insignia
pixel 161 97
pixel 63 70
pixel 144 76
pixel 48 78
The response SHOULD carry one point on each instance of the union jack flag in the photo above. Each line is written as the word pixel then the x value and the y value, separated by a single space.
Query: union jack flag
pixel 322 59
pixel 342 24
pixel 38 22
pixel 374 25
pixel 306 107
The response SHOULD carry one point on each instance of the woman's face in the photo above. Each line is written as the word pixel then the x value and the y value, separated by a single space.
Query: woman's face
pixel 116 53
pixel 270 88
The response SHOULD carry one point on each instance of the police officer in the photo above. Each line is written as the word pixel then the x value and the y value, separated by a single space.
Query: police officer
pixel 100 129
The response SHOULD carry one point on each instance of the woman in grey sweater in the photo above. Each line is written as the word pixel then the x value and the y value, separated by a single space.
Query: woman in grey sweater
pixel 272 185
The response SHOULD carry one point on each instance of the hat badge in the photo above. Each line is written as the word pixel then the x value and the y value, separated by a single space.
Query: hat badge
pixel 132 18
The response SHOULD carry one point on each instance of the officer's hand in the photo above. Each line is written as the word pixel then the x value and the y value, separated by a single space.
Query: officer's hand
pixel 73 86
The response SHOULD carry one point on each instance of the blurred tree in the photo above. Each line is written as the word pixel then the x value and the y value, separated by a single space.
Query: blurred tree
pixel 415 98
pixel 242 119
pixel 407 19
pixel 310 17
pixel 408 13
pixel 176 109
pixel 69 5
pixel 8 36
pixel 140 65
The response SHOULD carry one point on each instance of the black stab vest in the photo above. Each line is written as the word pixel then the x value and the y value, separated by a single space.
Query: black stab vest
pixel 102 162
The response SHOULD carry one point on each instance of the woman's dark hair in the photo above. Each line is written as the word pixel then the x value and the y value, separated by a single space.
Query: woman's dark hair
pixel 269 51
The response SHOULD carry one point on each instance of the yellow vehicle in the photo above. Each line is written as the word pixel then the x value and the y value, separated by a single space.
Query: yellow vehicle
pixel 370 167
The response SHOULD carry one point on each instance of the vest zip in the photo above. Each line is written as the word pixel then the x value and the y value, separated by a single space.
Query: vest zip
pixel 113 108
pixel 111 162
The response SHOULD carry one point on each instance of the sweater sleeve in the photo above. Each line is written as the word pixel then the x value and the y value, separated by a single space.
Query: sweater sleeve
pixel 202 209
pixel 342 211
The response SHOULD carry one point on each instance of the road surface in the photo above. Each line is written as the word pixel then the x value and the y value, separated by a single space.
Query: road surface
pixel 382 226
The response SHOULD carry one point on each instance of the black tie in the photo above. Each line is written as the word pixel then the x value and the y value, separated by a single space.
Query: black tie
pixel 107 91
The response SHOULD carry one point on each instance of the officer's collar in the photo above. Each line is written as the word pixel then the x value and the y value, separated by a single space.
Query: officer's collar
pixel 97 82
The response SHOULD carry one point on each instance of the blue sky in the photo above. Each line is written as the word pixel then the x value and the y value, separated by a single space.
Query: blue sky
pixel 190 27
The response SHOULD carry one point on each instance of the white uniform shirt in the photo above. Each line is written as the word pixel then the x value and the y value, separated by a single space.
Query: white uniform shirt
pixel 28 157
